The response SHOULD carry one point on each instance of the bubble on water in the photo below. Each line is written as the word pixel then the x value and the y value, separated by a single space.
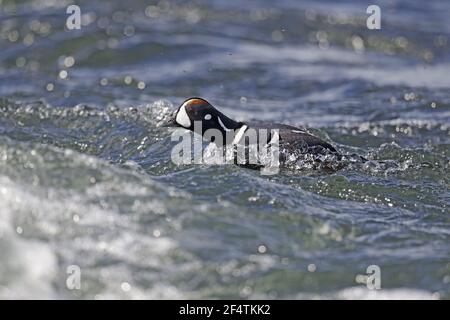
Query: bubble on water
pixel 312 267
pixel 324 229
pixel 322 38
pixel 88 18
pixel 28 40
pixel 102 246
pixel 44 28
pixel 34 25
pixel 125 286
pixel 50 86
pixel 128 79
pixel 446 279
pixel 20 62
pixel 427 55
pixel 128 31
pixel 360 278
pixel 152 11
pixel 401 42
pixel 141 85
pixel 103 81
pixel 63 74
pixel 69 61
pixel 409 96
pixel 112 43
pixel 259 14
pixel 440 41
pixel 246 291
pixel 13 35
pixel 358 44
pixel 193 16
pixel 262 249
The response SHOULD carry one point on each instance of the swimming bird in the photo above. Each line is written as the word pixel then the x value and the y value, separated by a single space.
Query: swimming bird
pixel 290 138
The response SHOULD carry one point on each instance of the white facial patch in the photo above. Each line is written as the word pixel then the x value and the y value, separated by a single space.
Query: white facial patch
pixel 208 117
pixel 182 118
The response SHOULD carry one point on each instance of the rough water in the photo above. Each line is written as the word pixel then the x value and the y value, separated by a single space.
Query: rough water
pixel 86 177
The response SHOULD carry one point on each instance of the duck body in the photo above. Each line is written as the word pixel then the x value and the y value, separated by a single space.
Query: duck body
pixel 293 138
pixel 199 116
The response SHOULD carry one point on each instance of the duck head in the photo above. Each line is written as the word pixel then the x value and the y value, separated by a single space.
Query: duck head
pixel 201 111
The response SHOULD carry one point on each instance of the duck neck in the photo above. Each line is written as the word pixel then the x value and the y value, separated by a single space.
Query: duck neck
pixel 227 123
pixel 230 129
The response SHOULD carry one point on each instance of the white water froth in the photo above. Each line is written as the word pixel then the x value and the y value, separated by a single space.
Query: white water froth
pixel 28 267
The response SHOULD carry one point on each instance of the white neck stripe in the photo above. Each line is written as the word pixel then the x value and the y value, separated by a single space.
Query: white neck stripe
pixel 222 125
pixel 239 134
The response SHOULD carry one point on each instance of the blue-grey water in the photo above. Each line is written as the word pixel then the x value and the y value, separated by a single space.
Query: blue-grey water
pixel 86 177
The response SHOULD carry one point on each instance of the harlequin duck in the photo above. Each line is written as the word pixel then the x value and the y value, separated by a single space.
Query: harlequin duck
pixel 290 138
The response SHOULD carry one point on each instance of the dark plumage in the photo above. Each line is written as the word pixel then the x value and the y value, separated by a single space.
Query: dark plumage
pixel 293 138
pixel 290 138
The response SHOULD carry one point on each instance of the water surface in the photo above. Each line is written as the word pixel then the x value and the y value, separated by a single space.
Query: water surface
pixel 86 177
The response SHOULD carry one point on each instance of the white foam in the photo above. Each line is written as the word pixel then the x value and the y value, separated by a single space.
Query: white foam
pixel 28 266
pixel 363 293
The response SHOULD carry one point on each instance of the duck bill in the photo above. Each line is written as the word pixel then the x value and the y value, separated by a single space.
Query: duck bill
pixel 171 122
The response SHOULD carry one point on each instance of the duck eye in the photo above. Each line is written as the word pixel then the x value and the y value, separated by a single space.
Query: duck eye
pixel 208 117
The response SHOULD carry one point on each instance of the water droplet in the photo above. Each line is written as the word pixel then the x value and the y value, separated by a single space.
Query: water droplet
pixel 20 62
pixel 141 85
pixel 125 286
pixel 312 267
pixel 128 80
pixel 128 31
pixel 63 74
pixel 69 61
